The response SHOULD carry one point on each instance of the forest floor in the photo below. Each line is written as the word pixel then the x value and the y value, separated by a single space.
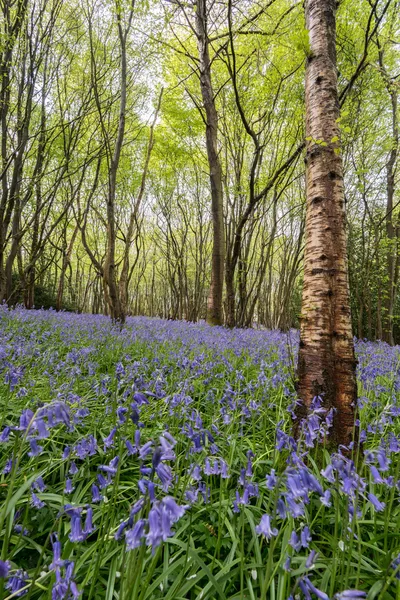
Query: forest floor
pixel 158 462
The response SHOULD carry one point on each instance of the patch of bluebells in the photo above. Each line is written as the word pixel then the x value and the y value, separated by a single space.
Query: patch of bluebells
pixel 197 418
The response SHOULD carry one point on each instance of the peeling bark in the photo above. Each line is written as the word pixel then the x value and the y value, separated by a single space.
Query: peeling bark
pixel 326 365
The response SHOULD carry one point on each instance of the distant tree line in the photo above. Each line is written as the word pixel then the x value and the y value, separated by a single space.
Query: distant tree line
pixel 152 158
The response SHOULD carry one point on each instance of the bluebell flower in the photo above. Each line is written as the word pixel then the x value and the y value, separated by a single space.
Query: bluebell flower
pixel 36 502
pixel 135 535
pixel 312 557
pixel 57 562
pixel 35 448
pixel 8 466
pixel 286 564
pixel 281 508
pixel 39 484
pixel 25 419
pixel 265 528
pixel 131 449
pixel 42 431
pixel 294 541
pixel 296 509
pixel 109 440
pixel 305 537
pixel 89 528
pixel 326 498
pixel 86 447
pixel 17 582
pixel 5 434
pixel 69 488
pixel 112 467
pixel 379 506
pixel 5 567
pixel 73 468
pixel 311 587
pixel 271 480
pixel 121 412
pixel 96 496
pixel 145 450
pixel 165 474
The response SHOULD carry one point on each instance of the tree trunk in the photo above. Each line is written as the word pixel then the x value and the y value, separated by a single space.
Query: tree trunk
pixel 326 365
pixel 392 252
pixel 214 303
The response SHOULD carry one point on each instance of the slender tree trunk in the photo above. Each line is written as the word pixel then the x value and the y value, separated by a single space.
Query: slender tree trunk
pixel 389 295
pixel 214 303
pixel 326 365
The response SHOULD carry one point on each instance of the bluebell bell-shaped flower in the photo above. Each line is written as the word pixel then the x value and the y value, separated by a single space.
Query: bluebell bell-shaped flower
pixel 112 467
pixel 271 480
pixel 326 498
pixel 69 488
pixel 5 567
pixel 17 582
pixel 121 412
pixel 26 419
pixel 57 562
pixel 376 476
pixel 8 466
pixel 294 541
pixel 135 535
pixel 36 502
pixel 39 484
pixel 88 527
pixel 96 496
pixel 35 450
pixel 281 508
pixel 310 587
pixel 265 528
pixel 305 537
pixel 378 506
pixel 165 474
pixel 5 434
pixel 311 558
pixel 145 450
pixel 109 440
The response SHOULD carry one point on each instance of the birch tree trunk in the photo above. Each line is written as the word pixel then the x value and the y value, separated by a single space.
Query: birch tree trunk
pixel 326 365
pixel 214 303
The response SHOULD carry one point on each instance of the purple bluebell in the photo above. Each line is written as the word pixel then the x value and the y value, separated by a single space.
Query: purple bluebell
pixel 26 419
pixel 145 450
pixel 311 558
pixel 109 440
pixel 135 535
pixel 35 450
pixel 69 488
pixel 5 567
pixel 96 496
pixel 112 467
pixel 36 502
pixel 378 506
pixel 73 468
pixel 271 480
pixel 17 582
pixel 89 527
pixel 265 528
pixel 5 434
pixel 39 484
pixel 311 587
